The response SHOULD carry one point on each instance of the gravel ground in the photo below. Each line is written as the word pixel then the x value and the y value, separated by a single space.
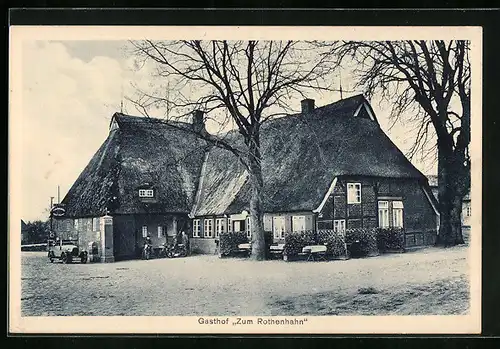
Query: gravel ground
pixel 206 285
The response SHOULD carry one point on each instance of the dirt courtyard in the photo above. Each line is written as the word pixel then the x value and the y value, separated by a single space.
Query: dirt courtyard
pixel 429 281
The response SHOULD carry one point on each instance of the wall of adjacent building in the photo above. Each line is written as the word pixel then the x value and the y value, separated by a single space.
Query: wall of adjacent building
pixel 419 217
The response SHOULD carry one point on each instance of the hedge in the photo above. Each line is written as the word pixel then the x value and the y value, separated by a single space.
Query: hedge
pixel 390 239
pixel 361 242
pixel 335 242
pixel 228 242
pixel 296 241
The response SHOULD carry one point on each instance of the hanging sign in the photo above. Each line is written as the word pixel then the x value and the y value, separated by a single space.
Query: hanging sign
pixel 58 211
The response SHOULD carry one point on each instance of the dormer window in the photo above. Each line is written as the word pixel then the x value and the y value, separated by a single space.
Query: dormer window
pixel 146 193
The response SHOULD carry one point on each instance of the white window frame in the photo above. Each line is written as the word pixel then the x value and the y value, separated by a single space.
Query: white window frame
pixel 160 231
pixel 279 229
pixel 248 227
pixel 146 193
pixel 468 211
pixel 397 214
pixel 208 228
pixel 238 222
pixel 94 224
pixel 383 214
pixel 339 225
pixel 229 225
pixel 353 193
pixel 295 224
pixel 144 231
pixel 219 226
pixel 196 228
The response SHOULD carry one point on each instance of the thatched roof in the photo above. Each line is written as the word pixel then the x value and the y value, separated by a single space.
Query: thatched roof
pixel 302 153
pixel 140 152
pixel 301 156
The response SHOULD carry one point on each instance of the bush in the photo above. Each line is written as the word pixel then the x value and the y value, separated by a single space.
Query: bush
pixel 335 243
pixel 228 242
pixel 296 241
pixel 361 242
pixel 390 239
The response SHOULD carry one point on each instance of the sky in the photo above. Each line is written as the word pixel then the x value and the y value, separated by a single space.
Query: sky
pixel 71 89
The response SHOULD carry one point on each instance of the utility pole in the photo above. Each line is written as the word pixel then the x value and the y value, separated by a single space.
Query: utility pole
pixel 58 195
pixel 51 225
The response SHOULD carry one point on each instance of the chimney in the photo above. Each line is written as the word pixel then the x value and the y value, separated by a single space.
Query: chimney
pixel 198 123
pixel 307 105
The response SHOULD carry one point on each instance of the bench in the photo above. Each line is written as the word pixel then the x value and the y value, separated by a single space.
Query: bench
pixel 276 249
pixel 314 252
pixel 244 248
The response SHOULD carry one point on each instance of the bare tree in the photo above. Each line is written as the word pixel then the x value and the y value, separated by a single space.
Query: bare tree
pixel 430 80
pixel 242 82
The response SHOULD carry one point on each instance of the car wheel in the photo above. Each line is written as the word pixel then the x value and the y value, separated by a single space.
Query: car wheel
pixel 64 258
pixel 83 258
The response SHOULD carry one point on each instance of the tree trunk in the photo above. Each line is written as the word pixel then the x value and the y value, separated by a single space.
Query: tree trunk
pixel 456 220
pixel 450 201
pixel 256 213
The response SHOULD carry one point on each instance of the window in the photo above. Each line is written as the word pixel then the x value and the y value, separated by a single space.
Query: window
pixel 95 224
pixel 397 214
pixel 468 211
pixel 298 223
pixel 383 214
pixel 237 225
pixel 248 228
pixel 160 232
pixel 146 193
pixel 207 228
pixel 279 227
pixel 144 231
pixel 196 228
pixel 76 224
pixel 339 225
pixel 219 226
pixel 229 225
pixel 353 193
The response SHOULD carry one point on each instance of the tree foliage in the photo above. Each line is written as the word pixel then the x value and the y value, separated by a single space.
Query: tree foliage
pixel 245 83
pixel 36 232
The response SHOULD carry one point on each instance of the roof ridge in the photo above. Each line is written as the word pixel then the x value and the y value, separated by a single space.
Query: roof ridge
pixel 166 122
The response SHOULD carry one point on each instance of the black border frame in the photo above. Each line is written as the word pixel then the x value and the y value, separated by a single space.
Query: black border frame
pixel 488 19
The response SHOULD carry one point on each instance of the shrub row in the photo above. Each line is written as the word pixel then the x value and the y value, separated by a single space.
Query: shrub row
pixel 353 242
pixel 228 242
pixel 390 239
pixel 335 243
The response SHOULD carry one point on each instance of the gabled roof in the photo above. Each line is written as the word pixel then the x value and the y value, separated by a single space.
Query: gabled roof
pixel 140 151
pixel 301 154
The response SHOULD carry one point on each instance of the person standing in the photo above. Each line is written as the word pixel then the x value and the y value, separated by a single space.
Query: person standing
pixel 185 240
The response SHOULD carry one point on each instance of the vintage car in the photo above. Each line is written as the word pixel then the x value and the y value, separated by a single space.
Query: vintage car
pixel 66 251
